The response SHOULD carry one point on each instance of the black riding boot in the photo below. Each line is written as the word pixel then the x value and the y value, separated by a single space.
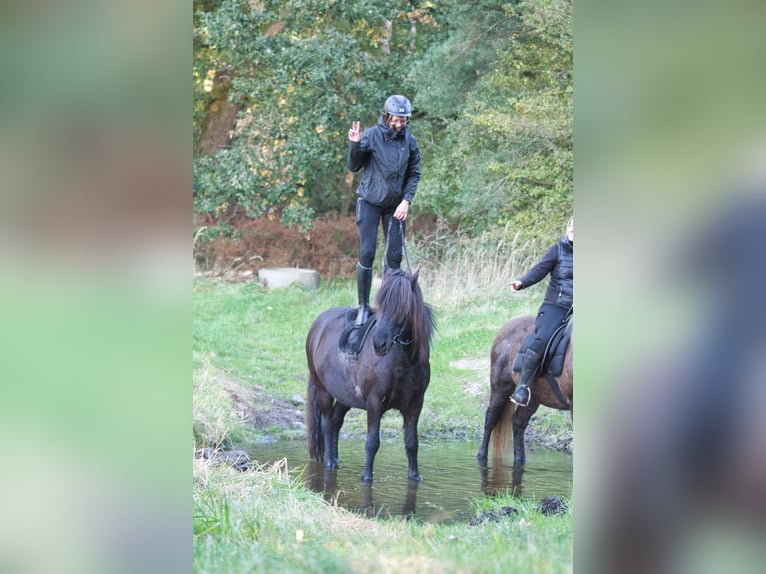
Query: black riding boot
pixel 363 286
pixel 529 365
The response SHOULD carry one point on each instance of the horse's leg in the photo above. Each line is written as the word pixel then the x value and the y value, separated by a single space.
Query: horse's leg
pixel 326 406
pixel 498 401
pixel 501 384
pixel 517 472
pixel 520 422
pixel 371 446
pixel 411 440
pixel 338 414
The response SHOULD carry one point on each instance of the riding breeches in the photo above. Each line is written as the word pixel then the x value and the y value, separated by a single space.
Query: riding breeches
pixel 549 318
pixel 368 216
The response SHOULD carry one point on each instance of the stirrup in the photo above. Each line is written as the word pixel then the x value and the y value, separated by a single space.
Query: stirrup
pixel 529 397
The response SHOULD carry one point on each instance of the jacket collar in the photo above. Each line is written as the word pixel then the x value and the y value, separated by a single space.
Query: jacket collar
pixel 389 132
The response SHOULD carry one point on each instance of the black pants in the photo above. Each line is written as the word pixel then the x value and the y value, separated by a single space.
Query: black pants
pixel 368 216
pixel 548 319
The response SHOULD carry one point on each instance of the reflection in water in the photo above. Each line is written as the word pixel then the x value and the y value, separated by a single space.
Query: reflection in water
pixel 322 480
pixel 501 479
pixel 325 481
pixel 452 478
pixel 408 510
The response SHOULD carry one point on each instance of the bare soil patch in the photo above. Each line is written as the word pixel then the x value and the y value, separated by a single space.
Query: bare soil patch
pixel 263 411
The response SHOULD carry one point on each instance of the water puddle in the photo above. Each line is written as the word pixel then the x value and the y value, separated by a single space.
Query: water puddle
pixel 451 478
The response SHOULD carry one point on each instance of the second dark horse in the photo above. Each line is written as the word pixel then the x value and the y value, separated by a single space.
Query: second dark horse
pixel 501 415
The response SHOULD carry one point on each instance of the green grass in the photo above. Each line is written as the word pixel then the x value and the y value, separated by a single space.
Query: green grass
pixel 256 336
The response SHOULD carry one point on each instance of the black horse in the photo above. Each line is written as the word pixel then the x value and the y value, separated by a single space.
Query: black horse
pixel 392 371
pixel 501 415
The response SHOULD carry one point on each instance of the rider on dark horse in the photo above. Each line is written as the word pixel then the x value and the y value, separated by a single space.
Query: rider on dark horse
pixel 556 307
pixel 390 157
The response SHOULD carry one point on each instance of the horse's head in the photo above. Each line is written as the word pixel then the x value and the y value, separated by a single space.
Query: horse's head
pixel 402 315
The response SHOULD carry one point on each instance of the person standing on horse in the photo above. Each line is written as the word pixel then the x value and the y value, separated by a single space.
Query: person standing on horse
pixel 556 307
pixel 390 157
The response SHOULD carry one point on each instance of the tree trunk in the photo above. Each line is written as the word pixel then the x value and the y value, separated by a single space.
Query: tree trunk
pixel 385 41
pixel 220 119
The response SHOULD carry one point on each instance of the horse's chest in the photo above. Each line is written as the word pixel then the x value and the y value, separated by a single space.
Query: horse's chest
pixel 385 388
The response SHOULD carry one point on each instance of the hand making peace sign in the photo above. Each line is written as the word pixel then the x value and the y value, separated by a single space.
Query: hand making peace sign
pixel 354 134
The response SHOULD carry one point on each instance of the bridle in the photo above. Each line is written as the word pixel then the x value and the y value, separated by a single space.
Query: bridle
pixel 398 338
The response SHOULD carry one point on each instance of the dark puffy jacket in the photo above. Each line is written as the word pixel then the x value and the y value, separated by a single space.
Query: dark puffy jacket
pixel 391 162
pixel 558 261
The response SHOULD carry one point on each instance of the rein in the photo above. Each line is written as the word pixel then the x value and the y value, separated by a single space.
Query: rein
pixel 404 244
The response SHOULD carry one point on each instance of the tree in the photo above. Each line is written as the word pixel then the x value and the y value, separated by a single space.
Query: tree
pixel 301 71
pixel 491 85
pixel 506 153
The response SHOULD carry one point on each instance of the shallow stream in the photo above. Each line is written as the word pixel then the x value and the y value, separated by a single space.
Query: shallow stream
pixel 451 477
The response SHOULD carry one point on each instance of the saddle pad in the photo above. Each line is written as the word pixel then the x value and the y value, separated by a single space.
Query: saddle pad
pixel 553 358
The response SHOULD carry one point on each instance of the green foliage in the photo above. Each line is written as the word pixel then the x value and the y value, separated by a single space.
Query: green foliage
pixel 450 69
pixel 232 177
pixel 507 157
pixel 491 87
pixel 302 72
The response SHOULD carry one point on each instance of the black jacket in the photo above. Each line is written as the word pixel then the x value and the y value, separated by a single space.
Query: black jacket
pixel 391 162
pixel 558 261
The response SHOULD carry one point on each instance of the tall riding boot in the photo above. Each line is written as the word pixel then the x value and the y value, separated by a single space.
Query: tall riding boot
pixel 529 365
pixel 363 286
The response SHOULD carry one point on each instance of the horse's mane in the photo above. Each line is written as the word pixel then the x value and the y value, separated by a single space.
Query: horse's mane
pixel 400 301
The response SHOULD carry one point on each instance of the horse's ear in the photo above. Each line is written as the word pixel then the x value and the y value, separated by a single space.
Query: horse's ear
pixel 414 278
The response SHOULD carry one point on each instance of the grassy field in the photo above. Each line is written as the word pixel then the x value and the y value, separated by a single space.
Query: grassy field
pixel 254 338
pixel 248 349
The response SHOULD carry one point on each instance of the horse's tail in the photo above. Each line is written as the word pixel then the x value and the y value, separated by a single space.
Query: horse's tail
pixel 502 435
pixel 314 440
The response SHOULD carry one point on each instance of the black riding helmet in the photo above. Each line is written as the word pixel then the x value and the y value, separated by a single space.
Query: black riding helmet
pixel 398 105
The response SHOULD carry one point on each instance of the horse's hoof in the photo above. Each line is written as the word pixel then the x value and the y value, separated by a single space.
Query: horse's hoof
pixel 367 478
pixel 415 477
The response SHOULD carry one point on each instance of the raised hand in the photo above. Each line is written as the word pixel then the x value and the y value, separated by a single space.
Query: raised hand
pixel 354 134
